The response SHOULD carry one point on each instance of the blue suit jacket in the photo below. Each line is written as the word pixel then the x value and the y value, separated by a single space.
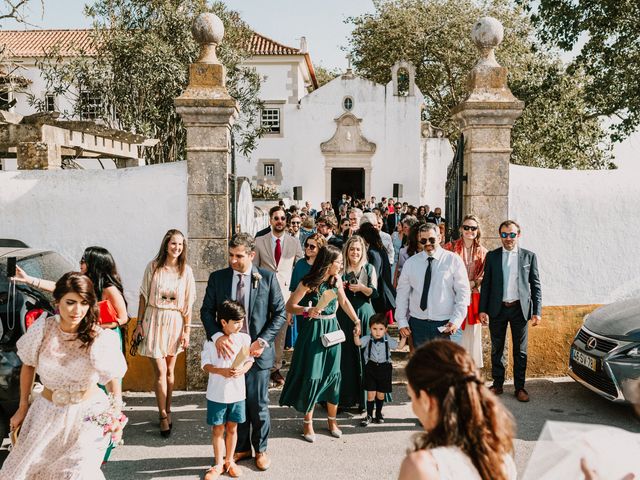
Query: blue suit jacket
pixel 266 308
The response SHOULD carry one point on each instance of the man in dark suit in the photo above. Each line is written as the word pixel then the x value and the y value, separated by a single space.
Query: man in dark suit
pixel 259 292
pixel 436 216
pixel 510 295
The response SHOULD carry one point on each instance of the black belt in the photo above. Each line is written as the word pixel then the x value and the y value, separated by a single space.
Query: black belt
pixel 511 304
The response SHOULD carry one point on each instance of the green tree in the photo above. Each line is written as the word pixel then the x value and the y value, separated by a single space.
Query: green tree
pixel 605 33
pixel 143 50
pixel 555 131
pixel 325 75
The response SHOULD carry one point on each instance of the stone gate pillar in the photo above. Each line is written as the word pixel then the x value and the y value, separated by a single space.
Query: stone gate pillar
pixel 486 117
pixel 208 112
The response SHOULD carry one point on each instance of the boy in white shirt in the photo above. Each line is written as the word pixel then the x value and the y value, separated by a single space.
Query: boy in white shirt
pixel 226 391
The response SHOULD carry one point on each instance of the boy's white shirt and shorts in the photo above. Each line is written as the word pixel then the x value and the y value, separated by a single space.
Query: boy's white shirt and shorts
pixel 225 396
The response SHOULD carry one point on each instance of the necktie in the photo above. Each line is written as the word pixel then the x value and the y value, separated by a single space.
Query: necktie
pixel 278 253
pixel 240 300
pixel 427 284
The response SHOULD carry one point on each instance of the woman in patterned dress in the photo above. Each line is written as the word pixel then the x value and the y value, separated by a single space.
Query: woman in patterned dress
pixel 61 436
pixel 314 375
pixel 473 255
pixel 167 296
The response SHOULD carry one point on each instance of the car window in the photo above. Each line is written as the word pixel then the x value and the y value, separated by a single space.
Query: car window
pixel 46 265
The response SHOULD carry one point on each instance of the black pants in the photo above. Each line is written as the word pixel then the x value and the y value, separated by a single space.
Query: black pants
pixel 255 431
pixel 519 335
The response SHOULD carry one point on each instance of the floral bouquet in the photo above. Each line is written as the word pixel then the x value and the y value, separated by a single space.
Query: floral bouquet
pixel 111 421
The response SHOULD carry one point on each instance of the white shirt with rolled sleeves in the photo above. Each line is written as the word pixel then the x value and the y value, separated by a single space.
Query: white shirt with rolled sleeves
pixel 449 291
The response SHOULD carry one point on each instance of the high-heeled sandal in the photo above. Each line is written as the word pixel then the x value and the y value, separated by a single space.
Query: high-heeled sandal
pixel 337 433
pixel 170 419
pixel 309 437
pixel 164 433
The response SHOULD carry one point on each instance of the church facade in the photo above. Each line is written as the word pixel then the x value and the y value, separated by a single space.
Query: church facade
pixel 349 136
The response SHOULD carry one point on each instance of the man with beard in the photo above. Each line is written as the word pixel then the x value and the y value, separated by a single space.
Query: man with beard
pixel 278 252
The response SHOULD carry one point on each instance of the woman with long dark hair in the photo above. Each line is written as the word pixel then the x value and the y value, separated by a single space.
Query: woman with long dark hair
pixel 377 256
pixel 467 432
pixel 63 432
pixel 314 375
pixel 167 295
pixel 312 246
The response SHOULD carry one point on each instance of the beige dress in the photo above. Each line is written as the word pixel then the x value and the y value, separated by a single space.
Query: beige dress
pixel 454 464
pixel 169 298
pixel 58 442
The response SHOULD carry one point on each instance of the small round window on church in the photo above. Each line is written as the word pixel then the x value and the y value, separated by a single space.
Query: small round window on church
pixel 347 103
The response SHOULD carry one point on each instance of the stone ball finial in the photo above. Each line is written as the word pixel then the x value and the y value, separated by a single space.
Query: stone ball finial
pixel 487 33
pixel 208 31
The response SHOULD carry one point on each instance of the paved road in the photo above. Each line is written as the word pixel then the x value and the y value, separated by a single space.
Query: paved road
pixel 362 453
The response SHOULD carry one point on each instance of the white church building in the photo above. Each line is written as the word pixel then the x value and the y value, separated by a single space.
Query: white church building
pixel 349 136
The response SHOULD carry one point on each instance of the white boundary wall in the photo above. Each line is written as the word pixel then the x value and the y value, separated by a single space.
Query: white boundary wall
pixel 126 211
pixel 585 228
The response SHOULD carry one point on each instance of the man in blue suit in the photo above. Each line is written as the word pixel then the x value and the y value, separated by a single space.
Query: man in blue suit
pixel 259 292
pixel 510 295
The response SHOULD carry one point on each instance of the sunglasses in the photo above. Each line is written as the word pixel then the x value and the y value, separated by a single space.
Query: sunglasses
pixel 466 228
pixel 279 218
pixel 431 240
pixel 508 235
pixel 295 223
pixel 311 247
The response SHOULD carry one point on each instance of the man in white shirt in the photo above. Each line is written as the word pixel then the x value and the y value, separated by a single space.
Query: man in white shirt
pixel 433 291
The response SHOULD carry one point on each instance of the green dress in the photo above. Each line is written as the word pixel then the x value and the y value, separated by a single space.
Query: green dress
pixel 314 375
pixel 351 388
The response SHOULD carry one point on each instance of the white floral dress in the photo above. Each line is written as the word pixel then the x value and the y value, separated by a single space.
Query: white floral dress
pixel 57 442
pixel 169 298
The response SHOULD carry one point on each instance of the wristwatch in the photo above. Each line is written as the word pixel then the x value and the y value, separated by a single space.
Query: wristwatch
pixel 263 343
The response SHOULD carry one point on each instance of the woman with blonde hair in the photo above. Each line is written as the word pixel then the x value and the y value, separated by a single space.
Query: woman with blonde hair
pixel 167 295
pixel 473 255
pixel 467 432
pixel 360 281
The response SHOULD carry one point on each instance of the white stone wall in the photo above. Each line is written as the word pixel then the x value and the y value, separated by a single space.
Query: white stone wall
pixel 37 87
pixel 126 211
pixel 437 154
pixel 584 227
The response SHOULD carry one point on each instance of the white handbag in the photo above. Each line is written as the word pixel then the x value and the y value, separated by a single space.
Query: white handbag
pixel 333 338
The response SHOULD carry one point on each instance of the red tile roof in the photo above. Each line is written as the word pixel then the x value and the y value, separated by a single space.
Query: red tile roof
pixel 261 45
pixel 38 43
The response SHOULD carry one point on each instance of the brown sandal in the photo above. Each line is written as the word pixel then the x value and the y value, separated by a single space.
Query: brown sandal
pixel 232 469
pixel 213 473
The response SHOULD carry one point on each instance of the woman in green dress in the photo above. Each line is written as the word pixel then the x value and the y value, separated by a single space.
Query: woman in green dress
pixel 312 245
pixel 315 375
pixel 360 282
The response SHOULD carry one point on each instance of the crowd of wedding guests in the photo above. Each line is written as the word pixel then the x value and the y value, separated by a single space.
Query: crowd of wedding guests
pixel 324 284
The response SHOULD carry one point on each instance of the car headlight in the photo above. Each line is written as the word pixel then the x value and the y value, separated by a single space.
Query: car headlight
pixel 634 352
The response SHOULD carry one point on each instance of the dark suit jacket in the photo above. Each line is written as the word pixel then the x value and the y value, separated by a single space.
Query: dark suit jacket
pixel 266 309
pixel 392 222
pixel 263 232
pixel 432 219
pixel 529 291
pixel 386 299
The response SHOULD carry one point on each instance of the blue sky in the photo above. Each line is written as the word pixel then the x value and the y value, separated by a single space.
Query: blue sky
pixel 282 20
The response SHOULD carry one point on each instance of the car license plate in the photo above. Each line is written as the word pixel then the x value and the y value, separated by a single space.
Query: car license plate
pixel 584 359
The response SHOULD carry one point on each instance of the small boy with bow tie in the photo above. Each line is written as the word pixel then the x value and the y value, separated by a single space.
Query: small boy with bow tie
pixel 376 348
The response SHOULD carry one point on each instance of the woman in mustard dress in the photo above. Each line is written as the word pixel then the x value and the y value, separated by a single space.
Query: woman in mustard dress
pixel 314 374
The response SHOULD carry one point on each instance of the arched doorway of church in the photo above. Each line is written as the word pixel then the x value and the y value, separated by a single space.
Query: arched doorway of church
pixel 349 181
